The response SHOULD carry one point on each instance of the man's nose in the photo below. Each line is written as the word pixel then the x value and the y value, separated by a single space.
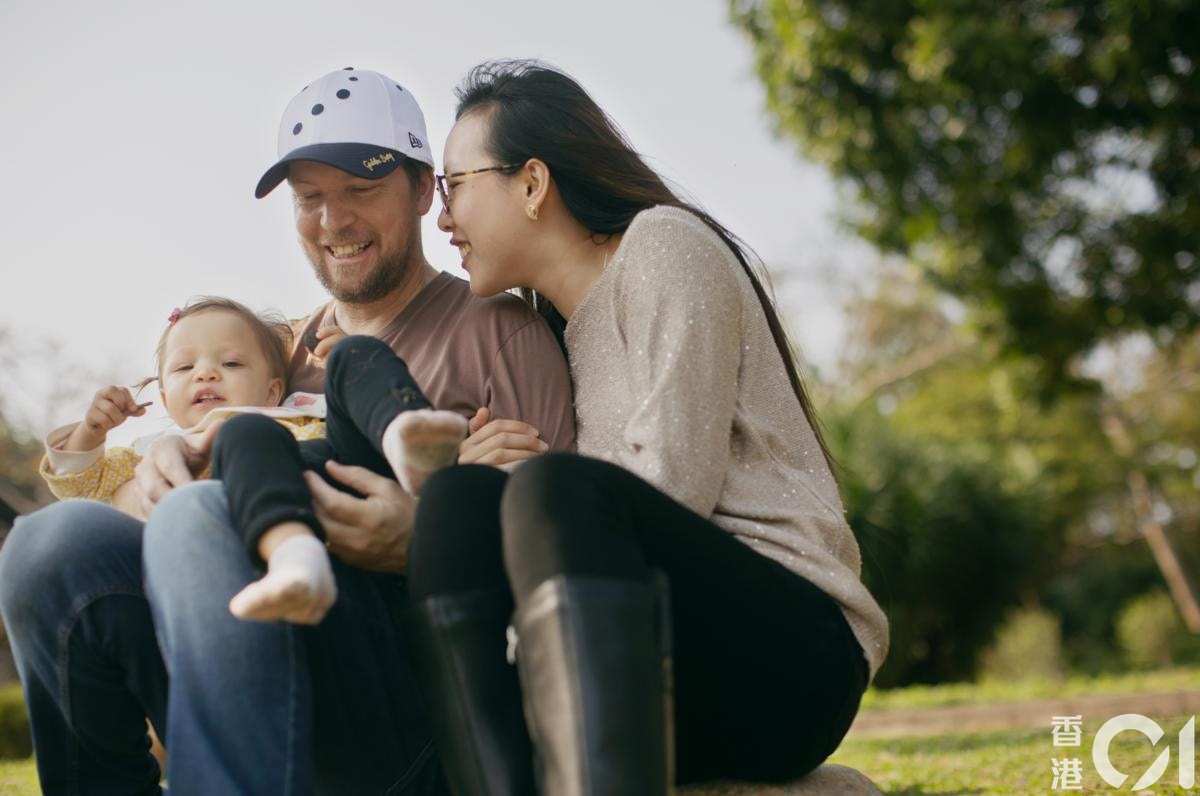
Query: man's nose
pixel 336 216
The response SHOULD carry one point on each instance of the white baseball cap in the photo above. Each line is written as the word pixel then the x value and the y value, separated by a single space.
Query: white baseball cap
pixel 355 120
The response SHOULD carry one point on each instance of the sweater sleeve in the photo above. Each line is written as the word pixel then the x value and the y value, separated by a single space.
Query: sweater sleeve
pixel 96 482
pixel 680 313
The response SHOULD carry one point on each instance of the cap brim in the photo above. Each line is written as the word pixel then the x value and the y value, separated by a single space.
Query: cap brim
pixel 368 161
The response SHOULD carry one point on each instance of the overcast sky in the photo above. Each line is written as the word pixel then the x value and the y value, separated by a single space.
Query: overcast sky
pixel 132 135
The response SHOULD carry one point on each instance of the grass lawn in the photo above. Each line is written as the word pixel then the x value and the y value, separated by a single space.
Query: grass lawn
pixel 932 696
pixel 1009 762
pixel 1013 761
pixel 18 778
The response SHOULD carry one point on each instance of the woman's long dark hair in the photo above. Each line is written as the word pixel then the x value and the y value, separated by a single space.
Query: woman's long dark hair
pixel 539 112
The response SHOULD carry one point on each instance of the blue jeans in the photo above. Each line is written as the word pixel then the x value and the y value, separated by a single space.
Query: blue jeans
pixel 80 629
pixel 254 707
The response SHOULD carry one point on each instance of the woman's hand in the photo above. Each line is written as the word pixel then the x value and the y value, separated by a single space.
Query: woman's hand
pixel 110 408
pixel 499 442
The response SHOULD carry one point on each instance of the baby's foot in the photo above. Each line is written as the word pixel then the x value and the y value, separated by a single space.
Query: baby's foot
pixel 421 441
pixel 299 586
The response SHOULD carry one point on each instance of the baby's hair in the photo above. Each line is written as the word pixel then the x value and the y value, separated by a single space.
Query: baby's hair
pixel 273 332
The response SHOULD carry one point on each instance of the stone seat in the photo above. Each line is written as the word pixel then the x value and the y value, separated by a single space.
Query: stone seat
pixel 830 779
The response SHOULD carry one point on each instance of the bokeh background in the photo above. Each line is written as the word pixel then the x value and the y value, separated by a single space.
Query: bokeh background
pixel 981 221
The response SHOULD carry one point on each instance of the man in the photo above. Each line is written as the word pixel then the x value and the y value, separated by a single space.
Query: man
pixel 279 707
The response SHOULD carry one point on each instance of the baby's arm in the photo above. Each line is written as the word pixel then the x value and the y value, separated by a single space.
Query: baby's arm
pixel 111 406
pixel 97 481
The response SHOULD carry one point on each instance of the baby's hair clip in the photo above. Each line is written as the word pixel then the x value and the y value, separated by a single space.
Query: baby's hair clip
pixel 174 316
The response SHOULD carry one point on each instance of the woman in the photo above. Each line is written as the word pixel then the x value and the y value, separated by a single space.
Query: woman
pixel 698 542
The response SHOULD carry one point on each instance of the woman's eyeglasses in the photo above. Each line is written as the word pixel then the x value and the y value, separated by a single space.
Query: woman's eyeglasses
pixel 444 187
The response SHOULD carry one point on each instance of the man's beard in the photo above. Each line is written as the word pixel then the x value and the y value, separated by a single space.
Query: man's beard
pixel 388 275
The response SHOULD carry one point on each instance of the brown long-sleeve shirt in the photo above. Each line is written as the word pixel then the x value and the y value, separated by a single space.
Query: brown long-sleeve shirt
pixel 466 352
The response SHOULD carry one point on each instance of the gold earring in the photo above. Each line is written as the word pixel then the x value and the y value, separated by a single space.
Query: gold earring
pixel 532 212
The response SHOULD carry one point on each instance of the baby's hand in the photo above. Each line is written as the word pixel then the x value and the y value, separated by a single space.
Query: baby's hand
pixel 321 341
pixel 110 407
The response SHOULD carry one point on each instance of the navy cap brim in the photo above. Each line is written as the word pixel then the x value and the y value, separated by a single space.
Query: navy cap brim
pixel 369 161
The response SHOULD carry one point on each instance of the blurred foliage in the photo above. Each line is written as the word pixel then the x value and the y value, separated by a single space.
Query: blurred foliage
pixel 1027 646
pixel 1150 633
pixel 1037 158
pixel 972 497
pixel 1031 365
pixel 15 739
pixel 20 433
pixel 19 456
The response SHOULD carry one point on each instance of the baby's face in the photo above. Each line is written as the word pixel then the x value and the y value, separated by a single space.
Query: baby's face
pixel 213 359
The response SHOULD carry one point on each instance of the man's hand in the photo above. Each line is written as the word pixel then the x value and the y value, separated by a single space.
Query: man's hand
pixel 172 461
pixel 128 498
pixel 110 408
pixel 499 442
pixel 369 533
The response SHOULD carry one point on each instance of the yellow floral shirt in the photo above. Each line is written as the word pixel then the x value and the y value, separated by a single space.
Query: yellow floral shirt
pixel 100 480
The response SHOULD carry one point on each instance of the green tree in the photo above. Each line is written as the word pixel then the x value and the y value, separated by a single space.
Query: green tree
pixel 1037 158
pixel 965 492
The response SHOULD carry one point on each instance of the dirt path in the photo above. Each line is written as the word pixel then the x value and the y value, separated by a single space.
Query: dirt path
pixel 1038 713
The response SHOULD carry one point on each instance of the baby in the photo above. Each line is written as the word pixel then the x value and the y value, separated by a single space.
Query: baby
pixel 221 366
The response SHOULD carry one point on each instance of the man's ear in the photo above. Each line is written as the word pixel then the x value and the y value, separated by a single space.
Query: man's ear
pixel 275 393
pixel 423 188
pixel 535 182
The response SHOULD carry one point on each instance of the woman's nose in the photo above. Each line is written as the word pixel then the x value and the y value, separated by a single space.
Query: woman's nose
pixel 444 221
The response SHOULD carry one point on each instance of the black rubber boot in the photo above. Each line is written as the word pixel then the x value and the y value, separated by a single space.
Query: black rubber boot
pixel 473 693
pixel 595 666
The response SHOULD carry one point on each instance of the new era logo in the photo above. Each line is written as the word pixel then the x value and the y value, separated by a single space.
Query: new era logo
pixel 415 142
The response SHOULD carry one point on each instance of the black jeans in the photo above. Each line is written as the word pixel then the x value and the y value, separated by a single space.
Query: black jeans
pixel 262 465
pixel 768 675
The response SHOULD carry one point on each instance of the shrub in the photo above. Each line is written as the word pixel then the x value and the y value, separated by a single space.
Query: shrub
pixel 15 740
pixel 1028 645
pixel 1149 631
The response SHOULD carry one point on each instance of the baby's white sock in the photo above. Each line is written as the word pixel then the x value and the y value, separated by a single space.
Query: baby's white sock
pixel 420 441
pixel 298 587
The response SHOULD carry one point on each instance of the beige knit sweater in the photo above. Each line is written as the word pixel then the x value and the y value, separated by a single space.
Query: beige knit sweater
pixel 678 379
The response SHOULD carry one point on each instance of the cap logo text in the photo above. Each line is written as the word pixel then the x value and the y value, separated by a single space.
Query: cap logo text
pixel 378 160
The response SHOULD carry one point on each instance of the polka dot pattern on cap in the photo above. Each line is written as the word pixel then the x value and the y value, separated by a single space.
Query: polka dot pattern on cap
pixel 359 121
